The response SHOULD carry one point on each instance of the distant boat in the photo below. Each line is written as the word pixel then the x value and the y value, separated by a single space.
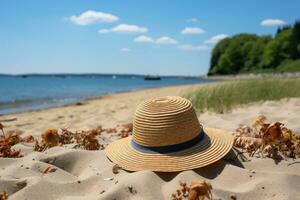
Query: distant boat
pixel 152 78
pixel 60 76
pixel 114 77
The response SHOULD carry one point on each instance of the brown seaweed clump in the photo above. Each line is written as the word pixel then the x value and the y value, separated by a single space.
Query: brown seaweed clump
pixel 6 150
pixel 268 139
pixel 87 140
pixel 51 137
pixel 198 190
pixel 28 139
pixel 66 137
pixel 122 130
pixel 110 130
pixel 6 144
pixel 3 196
pixel 84 139
pixel 126 130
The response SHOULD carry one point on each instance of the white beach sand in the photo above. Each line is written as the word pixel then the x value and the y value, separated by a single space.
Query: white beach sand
pixel 85 174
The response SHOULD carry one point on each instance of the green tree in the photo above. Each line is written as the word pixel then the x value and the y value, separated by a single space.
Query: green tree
pixel 216 54
pixel 278 49
pixel 249 52
pixel 229 56
pixel 255 55
pixel 231 61
pixel 295 41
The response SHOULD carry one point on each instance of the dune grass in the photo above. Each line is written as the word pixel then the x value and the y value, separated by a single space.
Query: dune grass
pixel 224 96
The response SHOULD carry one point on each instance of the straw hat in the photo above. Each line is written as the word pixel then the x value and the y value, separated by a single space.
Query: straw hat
pixel 167 136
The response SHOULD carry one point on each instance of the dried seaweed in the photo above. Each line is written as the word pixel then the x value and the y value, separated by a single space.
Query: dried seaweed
pixel 66 137
pixel 198 190
pixel 110 130
pixel 51 138
pixel 3 196
pixel 267 139
pixel 126 130
pixel 7 152
pixel 86 139
pixel 6 143
pixel 28 139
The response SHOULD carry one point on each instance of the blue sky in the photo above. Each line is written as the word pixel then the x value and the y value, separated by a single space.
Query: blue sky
pixel 127 36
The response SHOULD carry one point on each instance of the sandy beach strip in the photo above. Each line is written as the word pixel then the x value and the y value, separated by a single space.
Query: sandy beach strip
pixel 85 174
pixel 106 111
pixel 110 110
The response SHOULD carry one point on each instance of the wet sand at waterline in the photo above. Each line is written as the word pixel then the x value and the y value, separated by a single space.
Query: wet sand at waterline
pixel 85 174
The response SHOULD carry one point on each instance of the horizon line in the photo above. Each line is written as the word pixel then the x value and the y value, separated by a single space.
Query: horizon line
pixel 95 73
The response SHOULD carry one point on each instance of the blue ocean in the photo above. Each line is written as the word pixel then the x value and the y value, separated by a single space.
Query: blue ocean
pixel 33 92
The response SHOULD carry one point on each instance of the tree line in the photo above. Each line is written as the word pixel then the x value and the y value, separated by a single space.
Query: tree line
pixel 244 52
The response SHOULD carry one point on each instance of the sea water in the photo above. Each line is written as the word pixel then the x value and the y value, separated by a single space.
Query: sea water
pixel 32 92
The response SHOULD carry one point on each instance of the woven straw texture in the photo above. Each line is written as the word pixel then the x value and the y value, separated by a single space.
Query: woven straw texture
pixel 168 121
pixel 162 121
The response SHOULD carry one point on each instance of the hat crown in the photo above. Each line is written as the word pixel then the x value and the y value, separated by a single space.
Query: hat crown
pixel 165 121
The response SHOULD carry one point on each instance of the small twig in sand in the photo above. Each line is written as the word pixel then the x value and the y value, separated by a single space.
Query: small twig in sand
pixel 1 127
pixel 8 120
pixel 49 170
pixel 132 190
pixel 297 162
pixel 240 154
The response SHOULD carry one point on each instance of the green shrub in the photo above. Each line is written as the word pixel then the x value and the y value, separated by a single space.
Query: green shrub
pixel 222 97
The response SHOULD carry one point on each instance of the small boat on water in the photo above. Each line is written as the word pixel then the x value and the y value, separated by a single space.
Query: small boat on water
pixel 152 78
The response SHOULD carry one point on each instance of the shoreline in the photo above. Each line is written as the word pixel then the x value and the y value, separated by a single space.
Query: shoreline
pixel 98 97
pixel 107 110
pixel 13 105
pixel 114 109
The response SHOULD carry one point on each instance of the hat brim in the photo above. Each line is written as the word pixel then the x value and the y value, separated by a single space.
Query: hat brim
pixel 215 145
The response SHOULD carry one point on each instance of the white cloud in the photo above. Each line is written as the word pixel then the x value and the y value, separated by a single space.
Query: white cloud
pixel 192 30
pixel 125 28
pixel 194 19
pixel 104 31
pixel 189 47
pixel 272 22
pixel 166 40
pixel 125 49
pixel 216 39
pixel 143 39
pixel 129 28
pixel 90 17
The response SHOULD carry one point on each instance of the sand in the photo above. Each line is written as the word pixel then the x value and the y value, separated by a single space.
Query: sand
pixel 85 174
